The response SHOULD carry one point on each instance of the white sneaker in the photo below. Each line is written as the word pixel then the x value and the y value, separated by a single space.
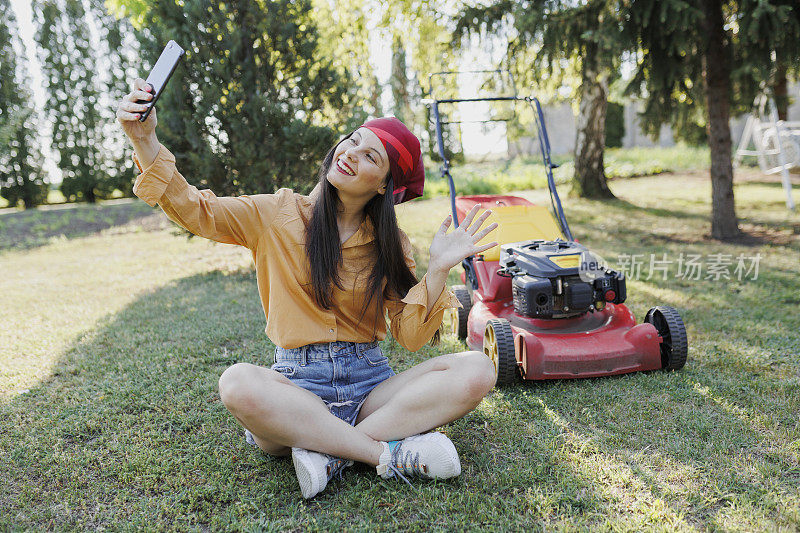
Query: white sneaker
pixel 431 455
pixel 315 469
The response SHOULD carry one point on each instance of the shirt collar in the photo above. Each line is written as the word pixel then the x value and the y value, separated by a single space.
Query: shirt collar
pixel 364 234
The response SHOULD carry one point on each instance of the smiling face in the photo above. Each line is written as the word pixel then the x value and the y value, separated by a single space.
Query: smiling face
pixel 359 165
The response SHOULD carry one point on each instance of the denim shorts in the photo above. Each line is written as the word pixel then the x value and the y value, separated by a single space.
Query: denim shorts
pixel 342 373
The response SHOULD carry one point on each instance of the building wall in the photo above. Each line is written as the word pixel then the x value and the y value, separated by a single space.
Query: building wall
pixel 560 122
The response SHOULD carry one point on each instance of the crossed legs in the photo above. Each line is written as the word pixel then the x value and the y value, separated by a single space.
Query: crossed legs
pixel 281 414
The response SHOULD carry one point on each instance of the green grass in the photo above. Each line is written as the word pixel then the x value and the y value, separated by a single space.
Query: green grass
pixel 29 228
pixel 521 173
pixel 114 342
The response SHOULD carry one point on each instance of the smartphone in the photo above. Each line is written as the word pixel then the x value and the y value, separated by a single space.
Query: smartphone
pixel 161 73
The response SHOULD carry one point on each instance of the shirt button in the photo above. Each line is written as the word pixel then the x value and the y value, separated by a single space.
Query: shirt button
pixel 331 330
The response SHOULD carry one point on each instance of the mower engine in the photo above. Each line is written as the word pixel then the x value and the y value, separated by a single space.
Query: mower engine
pixel 558 279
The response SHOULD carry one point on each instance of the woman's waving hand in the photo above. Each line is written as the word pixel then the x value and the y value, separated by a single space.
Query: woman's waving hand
pixel 449 249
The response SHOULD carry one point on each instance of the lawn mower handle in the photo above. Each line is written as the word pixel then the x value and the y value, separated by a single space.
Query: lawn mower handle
pixel 544 147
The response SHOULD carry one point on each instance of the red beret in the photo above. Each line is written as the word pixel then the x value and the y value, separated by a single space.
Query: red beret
pixel 405 157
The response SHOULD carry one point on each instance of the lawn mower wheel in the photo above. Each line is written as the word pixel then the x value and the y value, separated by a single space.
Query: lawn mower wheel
pixel 674 346
pixel 498 345
pixel 458 317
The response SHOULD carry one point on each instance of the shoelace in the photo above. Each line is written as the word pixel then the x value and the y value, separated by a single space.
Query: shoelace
pixel 335 467
pixel 404 458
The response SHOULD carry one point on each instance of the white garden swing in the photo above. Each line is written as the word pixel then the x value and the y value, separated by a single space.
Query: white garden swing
pixel 776 143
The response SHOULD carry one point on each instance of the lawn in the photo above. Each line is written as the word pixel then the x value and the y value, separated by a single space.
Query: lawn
pixel 114 342
pixel 520 173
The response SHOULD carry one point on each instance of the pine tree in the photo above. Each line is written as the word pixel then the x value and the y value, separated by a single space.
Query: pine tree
pixel 22 176
pixel 72 70
pixel 703 59
pixel 399 81
pixel 586 34
pixel 119 52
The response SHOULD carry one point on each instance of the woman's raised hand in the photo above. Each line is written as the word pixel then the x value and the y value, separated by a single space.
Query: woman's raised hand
pixel 128 112
pixel 449 249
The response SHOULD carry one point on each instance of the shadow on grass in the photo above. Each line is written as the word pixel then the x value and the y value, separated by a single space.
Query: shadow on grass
pixel 129 430
pixel 772 184
pixel 686 227
pixel 660 448
pixel 36 227
pixel 638 210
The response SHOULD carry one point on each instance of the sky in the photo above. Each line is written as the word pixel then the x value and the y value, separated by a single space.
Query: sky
pixel 475 141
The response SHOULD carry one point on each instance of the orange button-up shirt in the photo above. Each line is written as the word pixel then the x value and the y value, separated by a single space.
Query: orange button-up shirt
pixel 273 226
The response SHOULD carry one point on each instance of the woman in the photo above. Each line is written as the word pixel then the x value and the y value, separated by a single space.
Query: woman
pixel 329 267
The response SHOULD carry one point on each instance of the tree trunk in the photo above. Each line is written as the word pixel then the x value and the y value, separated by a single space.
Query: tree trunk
pixel 716 74
pixel 781 91
pixel 590 176
pixel 28 196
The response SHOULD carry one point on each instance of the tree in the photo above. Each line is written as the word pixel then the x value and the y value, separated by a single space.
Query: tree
pixel 120 55
pixel 22 176
pixel 345 28
pixel 80 68
pixel 71 70
pixel 255 102
pixel 421 36
pixel 586 33
pixel 413 30
pixel 399 81
pixel 703 57
pixel 775 57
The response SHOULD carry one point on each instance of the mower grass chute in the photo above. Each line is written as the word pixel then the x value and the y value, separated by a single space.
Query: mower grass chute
pixel 540 305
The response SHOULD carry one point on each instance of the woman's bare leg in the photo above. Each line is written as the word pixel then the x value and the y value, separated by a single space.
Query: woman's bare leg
pixel 427 395
pixel 281 414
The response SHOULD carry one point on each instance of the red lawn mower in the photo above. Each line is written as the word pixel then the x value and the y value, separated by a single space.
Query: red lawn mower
pixel 540 305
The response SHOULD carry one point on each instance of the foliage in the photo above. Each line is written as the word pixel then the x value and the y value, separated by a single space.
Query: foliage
pixel 80 72
pixel 120 56
pixel 399 81
pixel 669 66
pixel 250 105
pixel 550 34
pixel 344 29
pixel 416 36
pixel 420 34
pixel 21 174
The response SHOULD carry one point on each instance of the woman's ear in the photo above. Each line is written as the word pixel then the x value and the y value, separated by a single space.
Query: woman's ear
pixel 382 188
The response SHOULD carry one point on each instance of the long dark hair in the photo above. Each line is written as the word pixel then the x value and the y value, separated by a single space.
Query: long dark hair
pixel 324 248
